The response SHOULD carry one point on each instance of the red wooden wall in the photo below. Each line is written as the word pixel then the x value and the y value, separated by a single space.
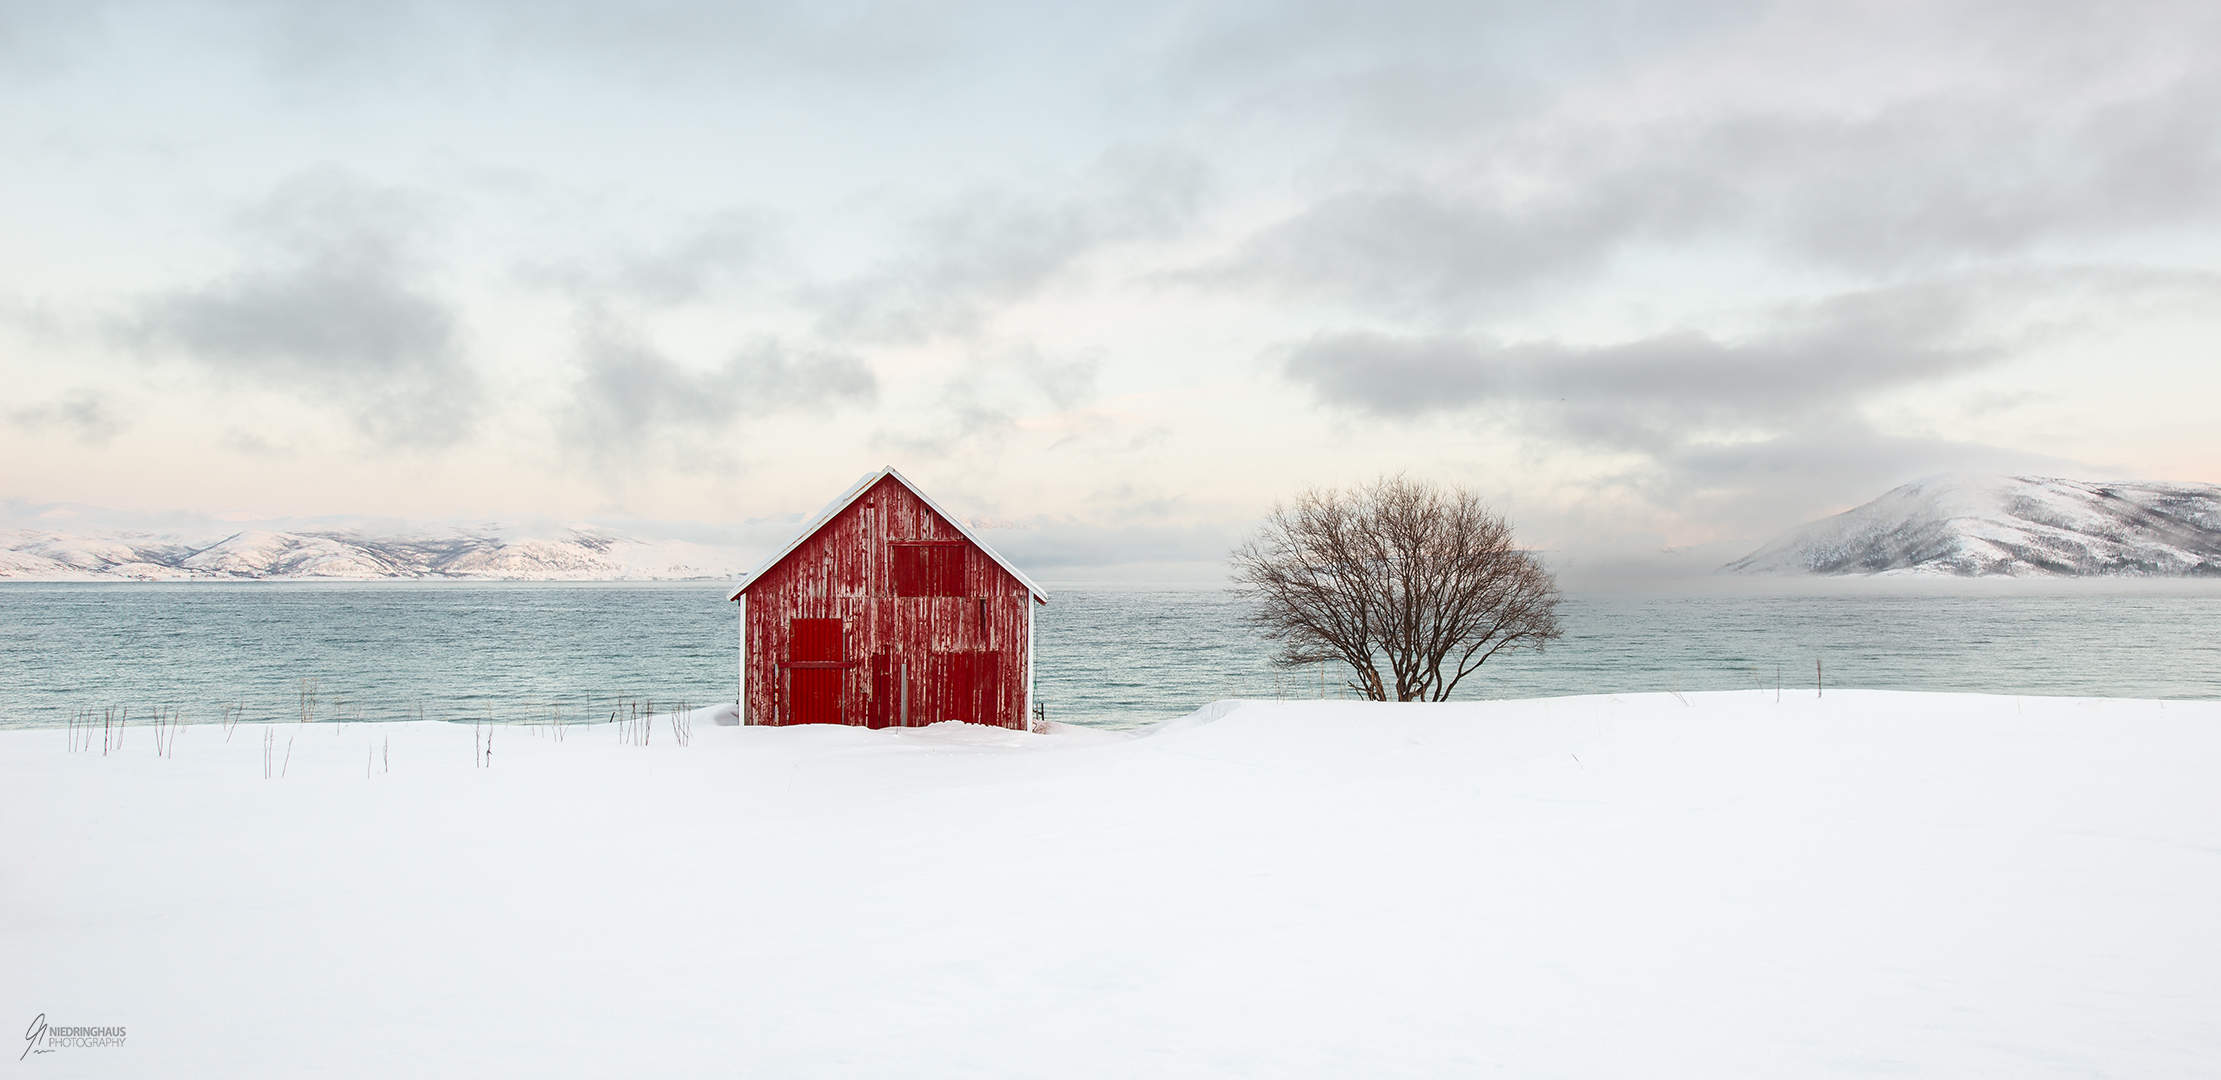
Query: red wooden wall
pixel 886 613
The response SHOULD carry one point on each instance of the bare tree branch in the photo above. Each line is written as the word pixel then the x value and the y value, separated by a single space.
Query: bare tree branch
pixel 1400 573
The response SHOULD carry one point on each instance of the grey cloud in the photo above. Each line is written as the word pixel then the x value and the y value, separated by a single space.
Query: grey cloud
pixel 660 44
pixel 684 270
pixel 995 247
pixel 1926 183
pixel 1065 383
pixel 1410 247
pixel 1756 488
pixel 336 315
pixel 1941 181
pixel 1430 71
pixel 982 402
pixel 1415 69
pixel 1075 548
pixel 1133 532
pixel 1656 393
pixel 777 378
pixel 84 415
pixel 41 37
pixel 702 37
pixel 1747 434
pixel 253 444
pixel 715 250
pixel 632 397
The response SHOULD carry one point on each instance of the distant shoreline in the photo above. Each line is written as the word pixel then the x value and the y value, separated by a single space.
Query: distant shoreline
pixel 1701 586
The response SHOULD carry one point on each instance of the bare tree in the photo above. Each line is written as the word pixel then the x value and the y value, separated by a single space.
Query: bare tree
pixel 1412 585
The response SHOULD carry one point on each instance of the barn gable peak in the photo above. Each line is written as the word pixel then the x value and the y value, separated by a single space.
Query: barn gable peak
pixel 856 491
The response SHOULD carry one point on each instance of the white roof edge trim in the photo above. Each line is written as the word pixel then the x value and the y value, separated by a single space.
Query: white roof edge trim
pixel 856 491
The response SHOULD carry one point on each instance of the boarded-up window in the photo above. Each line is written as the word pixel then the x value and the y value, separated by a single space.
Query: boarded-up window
pixel 929 569
pixel 815 639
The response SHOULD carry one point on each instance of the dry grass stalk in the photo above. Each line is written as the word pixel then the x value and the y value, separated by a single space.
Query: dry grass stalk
pixel 166 726
pixel 483 740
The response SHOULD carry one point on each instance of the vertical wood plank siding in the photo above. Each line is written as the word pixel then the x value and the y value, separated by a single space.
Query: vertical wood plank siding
pixel 964 648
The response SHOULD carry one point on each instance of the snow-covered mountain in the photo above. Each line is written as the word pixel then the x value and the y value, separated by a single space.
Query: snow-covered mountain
pixel 577 554
pixel 2020 526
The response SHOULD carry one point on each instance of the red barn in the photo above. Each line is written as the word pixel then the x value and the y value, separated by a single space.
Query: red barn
pixel 886 611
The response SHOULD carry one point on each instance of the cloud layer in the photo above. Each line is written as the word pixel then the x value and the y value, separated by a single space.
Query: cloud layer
pixel 334 311
pixel 1692 269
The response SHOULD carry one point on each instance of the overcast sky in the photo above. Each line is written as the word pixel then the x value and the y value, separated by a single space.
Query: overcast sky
pixel 1648 276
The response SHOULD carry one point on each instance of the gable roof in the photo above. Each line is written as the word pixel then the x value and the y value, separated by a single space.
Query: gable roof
pixel 855 492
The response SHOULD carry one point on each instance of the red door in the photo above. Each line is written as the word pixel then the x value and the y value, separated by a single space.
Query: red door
pixel 971 686
pixel 885 708
pixel 814 673
pixel 959 701
pixel 987 688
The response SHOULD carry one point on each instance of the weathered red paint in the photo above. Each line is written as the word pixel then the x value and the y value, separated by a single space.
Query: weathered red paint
pixel 886 614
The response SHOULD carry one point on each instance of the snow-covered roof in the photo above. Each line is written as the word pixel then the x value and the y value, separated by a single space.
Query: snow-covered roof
pixel 856 491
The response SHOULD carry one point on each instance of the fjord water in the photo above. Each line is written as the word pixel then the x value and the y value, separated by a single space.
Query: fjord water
pixel 1117 657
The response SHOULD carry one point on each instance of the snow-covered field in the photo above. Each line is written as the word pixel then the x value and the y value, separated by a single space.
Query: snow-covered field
pixel 1722 886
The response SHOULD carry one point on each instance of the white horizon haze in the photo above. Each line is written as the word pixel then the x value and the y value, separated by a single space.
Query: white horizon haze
pixel 1659 282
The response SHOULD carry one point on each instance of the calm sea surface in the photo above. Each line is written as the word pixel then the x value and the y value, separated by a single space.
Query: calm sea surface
pixel 1113 657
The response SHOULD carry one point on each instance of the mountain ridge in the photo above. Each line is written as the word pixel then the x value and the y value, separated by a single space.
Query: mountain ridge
pixel 263 554
pixel 1965 525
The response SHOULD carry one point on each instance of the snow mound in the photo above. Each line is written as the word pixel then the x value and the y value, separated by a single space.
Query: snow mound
pixel 2018 526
